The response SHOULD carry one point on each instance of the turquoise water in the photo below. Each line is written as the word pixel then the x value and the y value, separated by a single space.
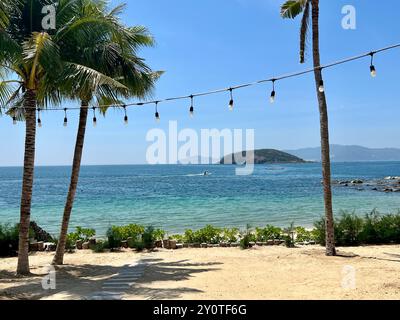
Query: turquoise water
pixel 178 197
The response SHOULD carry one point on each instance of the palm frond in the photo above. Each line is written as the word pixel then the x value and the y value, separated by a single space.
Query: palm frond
pixel 304 31
pixel 292 8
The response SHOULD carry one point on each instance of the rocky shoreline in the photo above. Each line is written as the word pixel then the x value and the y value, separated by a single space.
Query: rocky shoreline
pixel 387 184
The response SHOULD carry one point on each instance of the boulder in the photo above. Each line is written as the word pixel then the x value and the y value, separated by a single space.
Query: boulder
pixel 78 244
pixel 158 244
pixel 86 245
pixel 124 244
pixel 235 244
pixel 270 242
pixel 33 247
pixel 92 242
pixel 223 244
pixel 357 182
pixel 172 244
pixel 179 246
pixel 50 246
pixel 40 246
pixel 166 244
pixel 204 245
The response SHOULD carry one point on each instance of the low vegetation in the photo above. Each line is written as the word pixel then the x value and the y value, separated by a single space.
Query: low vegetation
pixel 350 230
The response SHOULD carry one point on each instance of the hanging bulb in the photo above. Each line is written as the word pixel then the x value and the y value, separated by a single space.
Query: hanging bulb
pixel 321 86
pixel 191 110
pixel 126 120
pixel 65 117
pixel 373 71
pixel 372 67
pixel 14 120
pixel 157 115
pixel 231 102
pixel 39 121
pixel 94 117
pixel 272 98
pixel 273 93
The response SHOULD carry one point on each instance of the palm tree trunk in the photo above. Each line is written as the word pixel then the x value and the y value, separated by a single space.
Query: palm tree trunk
pixel 325 148
pixel 27 182
pixel 76 166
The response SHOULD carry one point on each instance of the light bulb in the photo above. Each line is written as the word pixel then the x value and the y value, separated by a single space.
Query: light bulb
pixel 65 122
pixel 157 117
pixel 191 112
pixel 126 120
pixel 272 98
pixel 14 120
pixel 373 71
pixel 94 121
pixel 231 105
pixel 321 86
pixel 39 121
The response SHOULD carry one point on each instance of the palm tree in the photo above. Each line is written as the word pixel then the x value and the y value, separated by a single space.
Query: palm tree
pixel 107 53
pixel 35 57
pixel 291 9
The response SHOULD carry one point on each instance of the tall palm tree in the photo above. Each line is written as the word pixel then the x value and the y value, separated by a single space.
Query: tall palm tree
pixel 108 52
pixel 37 58
pixel 291 9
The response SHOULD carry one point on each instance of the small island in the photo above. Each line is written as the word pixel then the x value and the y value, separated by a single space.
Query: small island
pixel 264 156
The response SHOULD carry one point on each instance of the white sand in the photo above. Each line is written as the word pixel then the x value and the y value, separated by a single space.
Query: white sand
pixel 218 273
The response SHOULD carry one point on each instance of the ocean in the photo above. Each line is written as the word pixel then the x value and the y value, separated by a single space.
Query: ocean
pixel 180 197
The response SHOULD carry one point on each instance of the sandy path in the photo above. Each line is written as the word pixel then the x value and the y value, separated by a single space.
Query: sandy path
pixel 220 273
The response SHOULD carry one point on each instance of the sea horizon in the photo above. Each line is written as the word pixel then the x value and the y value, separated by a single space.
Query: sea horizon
pixel 179 197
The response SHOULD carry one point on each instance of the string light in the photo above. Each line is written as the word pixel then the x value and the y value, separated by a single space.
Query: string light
pixel 94 117
pixel 273 93
pixel 157 114
pixel 231 102
pixel 126 120
pixel 65 117
pixel 372 67
pixel 191 110
pixel 14 120
pixel 321 86
pixel 39 121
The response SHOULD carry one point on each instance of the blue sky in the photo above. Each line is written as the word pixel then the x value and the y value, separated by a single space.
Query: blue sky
pixel 210 44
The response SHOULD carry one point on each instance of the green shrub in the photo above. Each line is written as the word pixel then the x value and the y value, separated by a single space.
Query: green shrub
pixel 150 236
pixel 246 238
pixel 9 238
pixel 268 233
pixel 289 242
pixel 348 229
pixel 302 235
pixel 230 235
pixel 100 246
pixel 208 234
pixel 80 234
pixel 178 238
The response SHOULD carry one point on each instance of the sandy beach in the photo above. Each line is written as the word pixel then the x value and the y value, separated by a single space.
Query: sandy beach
pixel 216 273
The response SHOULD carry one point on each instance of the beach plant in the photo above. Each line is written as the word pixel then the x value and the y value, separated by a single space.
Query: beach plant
pixel 230 235
pixel 100 246
pixel 179 238
pixel 83 234
pixel 246 238
pixel 303 235
pixel 310 9
pixel 8 240
pixel 108 70
pixel 268 233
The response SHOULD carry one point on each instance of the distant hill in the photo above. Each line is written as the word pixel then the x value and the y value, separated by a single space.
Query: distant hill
pixel 266 156
pixel 341 153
